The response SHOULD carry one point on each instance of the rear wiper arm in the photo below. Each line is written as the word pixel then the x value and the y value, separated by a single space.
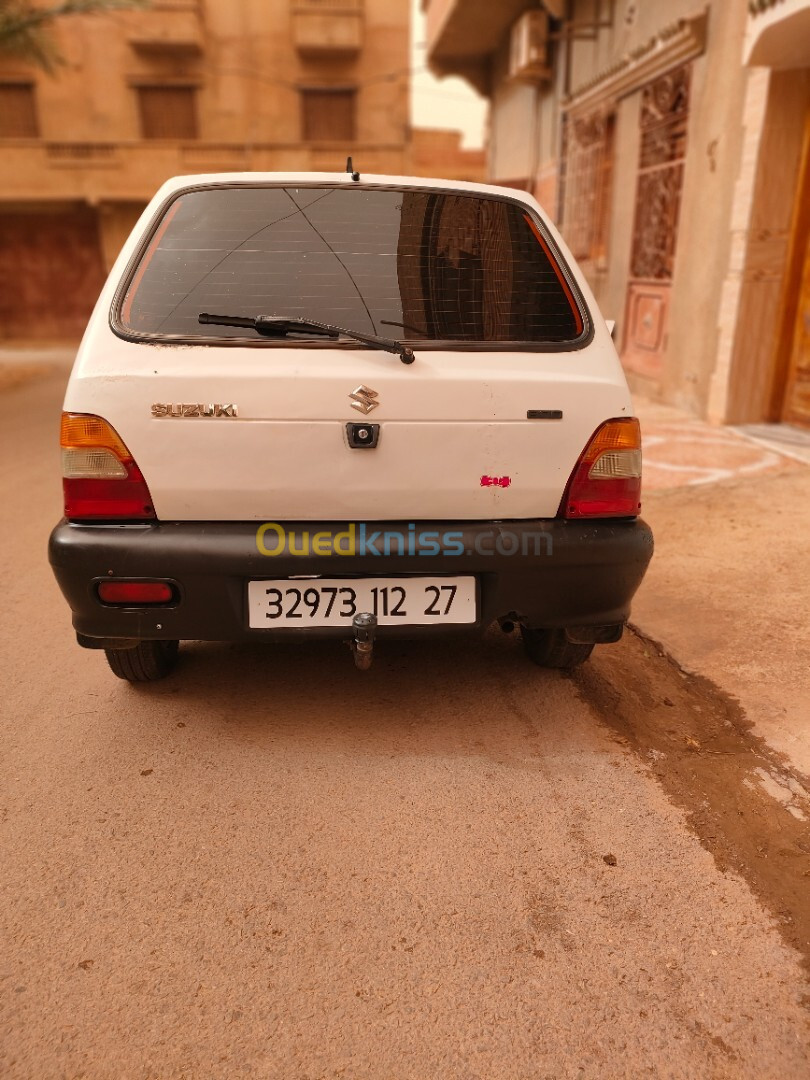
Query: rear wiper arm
pixel 279 326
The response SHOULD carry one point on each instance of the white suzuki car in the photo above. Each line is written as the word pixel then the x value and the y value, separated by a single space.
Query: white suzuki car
pixel 351 407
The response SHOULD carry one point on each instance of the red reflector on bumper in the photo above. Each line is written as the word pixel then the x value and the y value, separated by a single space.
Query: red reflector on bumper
pixel 135 592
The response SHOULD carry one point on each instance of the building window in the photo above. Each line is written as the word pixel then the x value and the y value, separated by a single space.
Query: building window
pixel 18 111
pixel 586 184
pixel 328 115
pixel 168 112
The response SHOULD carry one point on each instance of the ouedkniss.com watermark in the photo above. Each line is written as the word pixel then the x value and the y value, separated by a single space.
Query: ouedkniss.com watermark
pixel 360 539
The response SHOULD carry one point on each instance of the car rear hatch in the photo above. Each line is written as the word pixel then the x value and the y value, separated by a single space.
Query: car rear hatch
pixel 511 376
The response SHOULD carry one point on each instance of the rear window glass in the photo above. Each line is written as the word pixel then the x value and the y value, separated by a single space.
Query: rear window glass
pixel 414 265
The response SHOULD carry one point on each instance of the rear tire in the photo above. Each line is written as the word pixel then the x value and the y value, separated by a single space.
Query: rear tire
pixel 552 649
pixel 147 662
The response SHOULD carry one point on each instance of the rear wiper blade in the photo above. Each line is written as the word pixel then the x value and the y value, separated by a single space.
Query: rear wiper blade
pixel 279 326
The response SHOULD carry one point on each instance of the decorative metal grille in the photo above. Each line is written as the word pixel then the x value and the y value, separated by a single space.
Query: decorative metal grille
pixel 586 183
pixel 663 122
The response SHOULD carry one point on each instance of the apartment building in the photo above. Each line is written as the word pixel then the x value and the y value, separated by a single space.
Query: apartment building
pixel 187 86
pixel 670 141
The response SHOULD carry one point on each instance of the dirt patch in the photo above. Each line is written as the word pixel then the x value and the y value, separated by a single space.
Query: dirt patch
pixel 14 375
pixel 745 804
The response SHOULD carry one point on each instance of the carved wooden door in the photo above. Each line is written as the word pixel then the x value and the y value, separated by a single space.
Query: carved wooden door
pixel 663 122
pixel 797 398
pixel 794 387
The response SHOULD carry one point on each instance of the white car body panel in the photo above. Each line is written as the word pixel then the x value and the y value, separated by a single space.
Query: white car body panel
pixel 447 420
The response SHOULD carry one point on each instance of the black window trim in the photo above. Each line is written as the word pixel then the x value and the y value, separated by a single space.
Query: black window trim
pixel 433 345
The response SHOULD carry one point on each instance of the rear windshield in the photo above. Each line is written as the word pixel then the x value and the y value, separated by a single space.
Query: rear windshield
pixel 415 265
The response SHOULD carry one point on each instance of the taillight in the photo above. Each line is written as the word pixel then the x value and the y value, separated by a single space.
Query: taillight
pixel 607 479
pixel 100 478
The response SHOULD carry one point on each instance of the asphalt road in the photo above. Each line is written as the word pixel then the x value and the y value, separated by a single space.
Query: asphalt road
pixel 274 866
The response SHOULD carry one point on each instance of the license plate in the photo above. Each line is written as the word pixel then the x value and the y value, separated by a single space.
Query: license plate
pixel 417 601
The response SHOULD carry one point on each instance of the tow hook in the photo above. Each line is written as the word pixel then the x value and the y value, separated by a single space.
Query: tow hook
pixel 365 629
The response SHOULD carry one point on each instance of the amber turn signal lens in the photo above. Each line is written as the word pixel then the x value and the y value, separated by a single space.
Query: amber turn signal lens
pixel 80 430
pixel 614 435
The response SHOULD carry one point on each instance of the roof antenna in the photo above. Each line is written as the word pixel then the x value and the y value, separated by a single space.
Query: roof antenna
pixel 350 169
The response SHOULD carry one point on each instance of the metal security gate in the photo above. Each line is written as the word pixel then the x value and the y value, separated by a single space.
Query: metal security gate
pixel 663 124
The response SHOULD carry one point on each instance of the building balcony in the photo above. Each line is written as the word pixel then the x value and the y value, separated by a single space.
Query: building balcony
pixel 463 34
pixel 778 34
pixel 327 28
pixel 172 27
pixel 38 171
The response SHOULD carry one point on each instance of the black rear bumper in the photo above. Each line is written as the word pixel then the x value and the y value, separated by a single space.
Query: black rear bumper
pixel 560 574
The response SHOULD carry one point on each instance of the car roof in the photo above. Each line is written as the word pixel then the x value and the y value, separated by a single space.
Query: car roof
pixel 178 183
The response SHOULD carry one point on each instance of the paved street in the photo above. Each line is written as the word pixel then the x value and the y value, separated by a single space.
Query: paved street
pixel 454 866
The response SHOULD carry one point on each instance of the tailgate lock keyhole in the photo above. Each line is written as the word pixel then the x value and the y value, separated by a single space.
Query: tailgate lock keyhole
pixel 363 436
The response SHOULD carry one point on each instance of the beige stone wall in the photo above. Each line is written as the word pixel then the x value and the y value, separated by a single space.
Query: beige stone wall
pixel 438 154
pixel 704 234
pixel 247 73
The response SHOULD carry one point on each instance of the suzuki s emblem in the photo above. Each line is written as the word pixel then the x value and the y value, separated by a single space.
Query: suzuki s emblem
pixel 364 399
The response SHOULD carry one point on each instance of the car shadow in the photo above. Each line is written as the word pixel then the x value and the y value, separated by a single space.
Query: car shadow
pixel 427 696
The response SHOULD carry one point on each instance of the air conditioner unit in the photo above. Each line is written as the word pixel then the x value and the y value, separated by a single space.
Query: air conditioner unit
pixel 528 48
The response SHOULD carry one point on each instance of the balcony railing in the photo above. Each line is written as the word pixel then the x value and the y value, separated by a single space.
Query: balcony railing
pixel 82 155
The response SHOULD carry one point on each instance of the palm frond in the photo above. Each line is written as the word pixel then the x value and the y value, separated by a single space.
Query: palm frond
pixel 25 29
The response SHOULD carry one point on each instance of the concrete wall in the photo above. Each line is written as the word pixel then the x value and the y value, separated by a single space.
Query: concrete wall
pixel 513 133
pixel 438 154
pixel 704 237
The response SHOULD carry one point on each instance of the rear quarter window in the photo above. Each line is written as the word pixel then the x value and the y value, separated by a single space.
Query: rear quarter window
pixel 421 266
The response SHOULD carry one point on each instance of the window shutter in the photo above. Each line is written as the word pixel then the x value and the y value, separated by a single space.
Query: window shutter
pixel 18 111
pixel 168 112
pixel 328 115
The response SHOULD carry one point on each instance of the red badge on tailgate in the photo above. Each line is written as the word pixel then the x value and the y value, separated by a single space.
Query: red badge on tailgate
pixel 496 481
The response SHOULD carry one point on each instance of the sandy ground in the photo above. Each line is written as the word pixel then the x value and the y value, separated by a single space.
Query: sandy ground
pixel 454 866
pixel 728 594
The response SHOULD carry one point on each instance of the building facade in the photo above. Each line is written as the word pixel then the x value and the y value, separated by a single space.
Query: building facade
pixel 669 140
pixel 187 86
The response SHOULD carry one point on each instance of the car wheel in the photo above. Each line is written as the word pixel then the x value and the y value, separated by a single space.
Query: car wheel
pixel 552 649
pixel 147 662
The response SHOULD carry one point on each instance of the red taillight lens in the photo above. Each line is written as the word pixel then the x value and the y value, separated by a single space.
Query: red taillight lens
pixel 101 480
pixel 135 592
pixel 607 479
